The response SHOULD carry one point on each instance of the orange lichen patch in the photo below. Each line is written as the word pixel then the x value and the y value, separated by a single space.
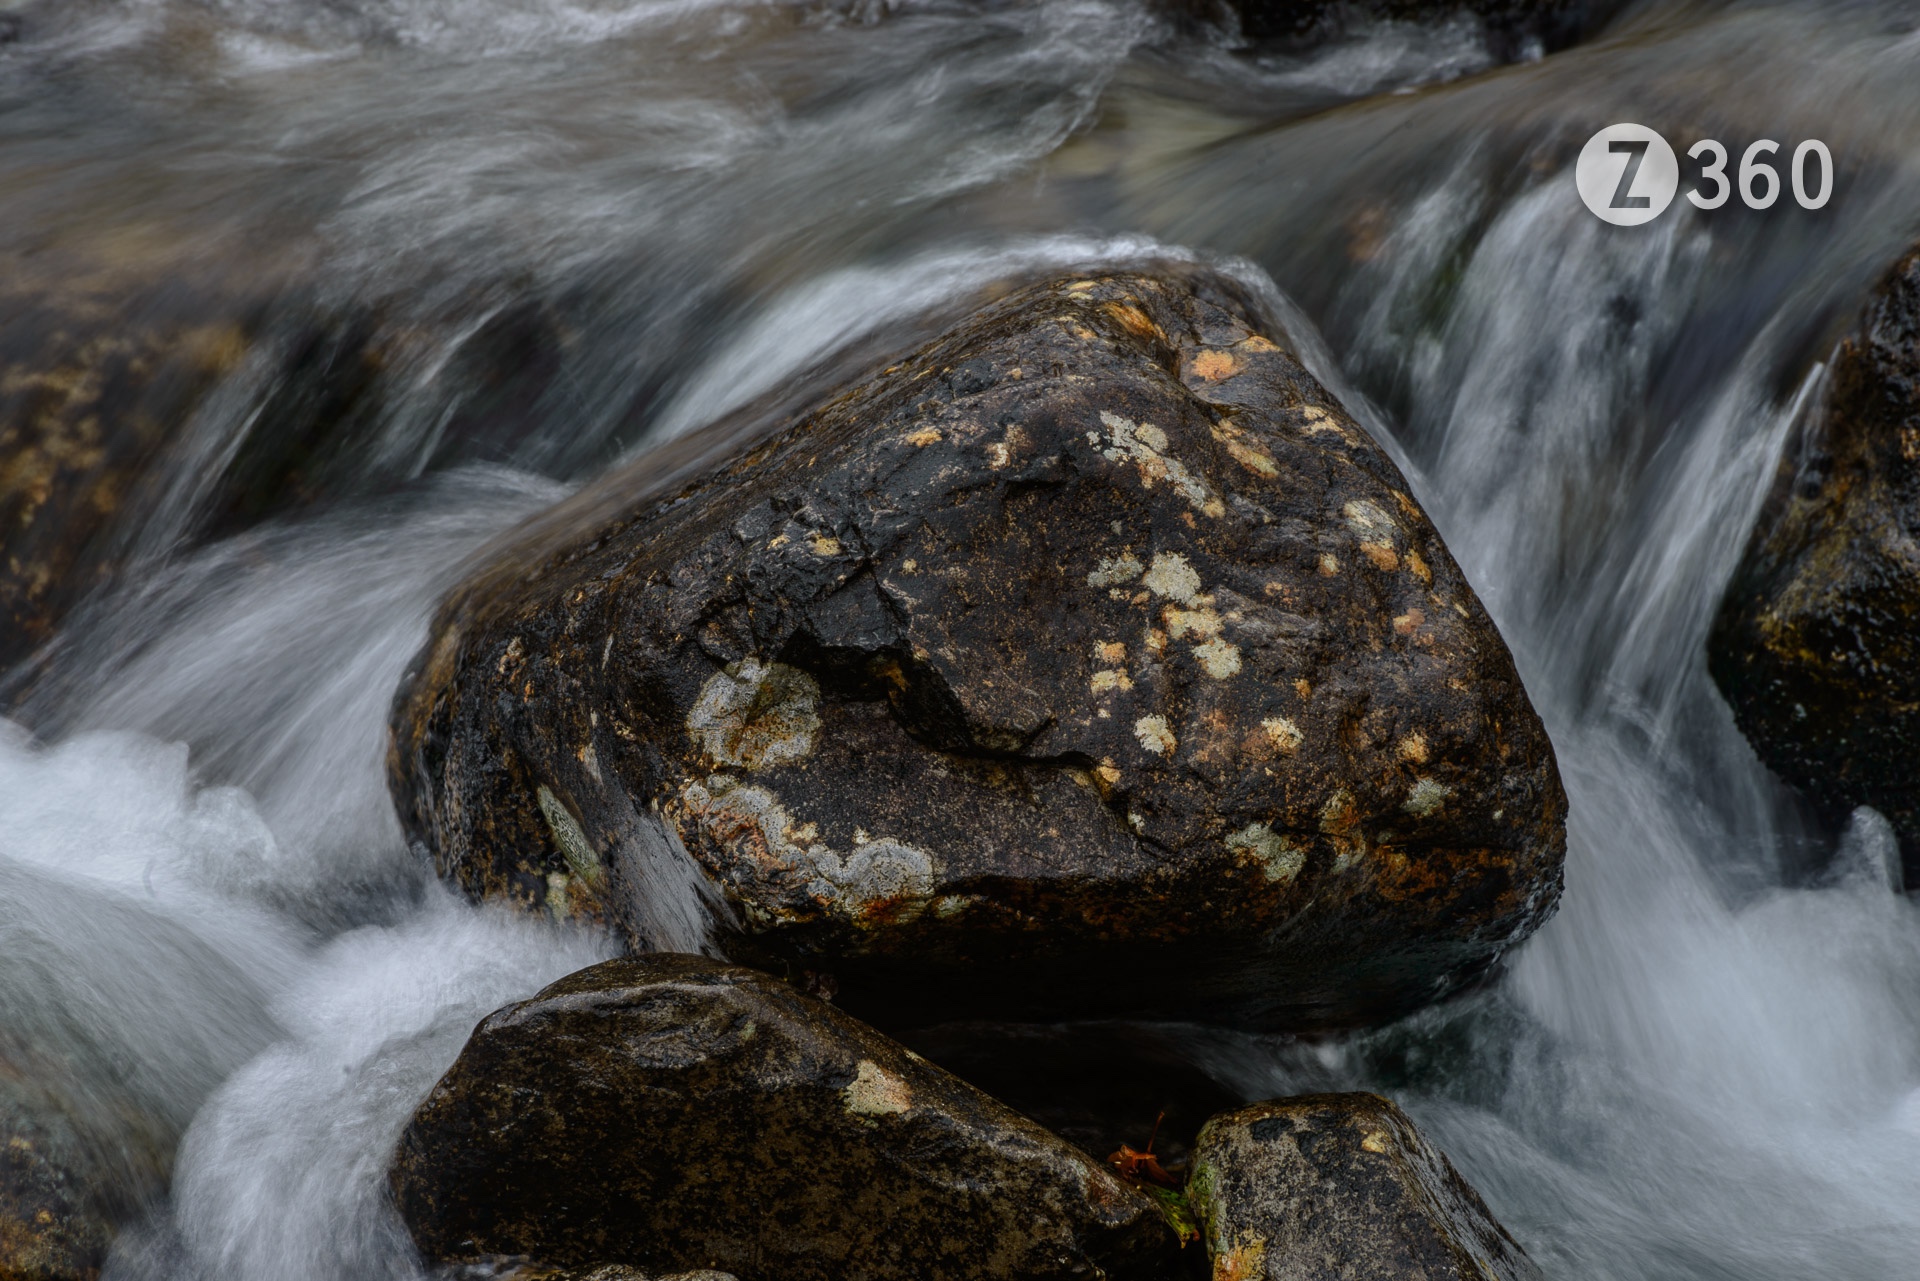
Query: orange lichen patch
pixel 1410 622
pixel 1257 343
pixel 1340 814
pixel 1246 1261
pixel 1418 567
pixel 1382 555
pixel 1304 688
pixel 924 437
pixel 1110 652
pixel 1413 747
pixel 1213 365
pixel 1248 455
pixel 1136 320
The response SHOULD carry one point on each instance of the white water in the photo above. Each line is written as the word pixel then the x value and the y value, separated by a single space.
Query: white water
pixel 1707 1066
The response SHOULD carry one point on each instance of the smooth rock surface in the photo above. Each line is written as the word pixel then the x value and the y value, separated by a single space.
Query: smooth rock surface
pixel 1817 642
pixel 1089 661
pixel 1328 1186
pixel 670 1113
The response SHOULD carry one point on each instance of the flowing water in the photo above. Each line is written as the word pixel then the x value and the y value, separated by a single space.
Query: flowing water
pixel 572 229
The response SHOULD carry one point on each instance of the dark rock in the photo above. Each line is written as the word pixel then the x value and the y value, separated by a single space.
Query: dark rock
pixel 1340 1185
pixel 55 1224
pixel 1090 661
pixel 1097 1085
pixel 521 1270
pixel 160 401
pixel 669 1112
pixel 1514 28
pixel 1817 642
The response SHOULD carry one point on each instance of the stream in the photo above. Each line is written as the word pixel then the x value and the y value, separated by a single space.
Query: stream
pixel 1706 1067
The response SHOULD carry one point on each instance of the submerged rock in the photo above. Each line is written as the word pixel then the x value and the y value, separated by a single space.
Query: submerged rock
pixel 1089 661
pixel 1340 1185
pixel 62 1189
pixel 1515 28
pixel 669 1112
pixel 1817 642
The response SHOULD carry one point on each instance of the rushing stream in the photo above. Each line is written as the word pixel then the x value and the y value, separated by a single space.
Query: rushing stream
pixel 1707 1066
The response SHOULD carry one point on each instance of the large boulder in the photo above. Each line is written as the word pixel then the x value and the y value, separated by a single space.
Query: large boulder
pixel 1340 1185
pixel 1817 642
pixel 668 1113
pixel 1091 660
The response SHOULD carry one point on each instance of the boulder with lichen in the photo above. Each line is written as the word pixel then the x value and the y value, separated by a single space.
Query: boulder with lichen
pixel 1090 660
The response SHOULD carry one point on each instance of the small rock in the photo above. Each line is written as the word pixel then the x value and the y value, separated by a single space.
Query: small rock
pixel 1817 642
pixel 1340 1185
pixel 670 1113
pixel 1091 661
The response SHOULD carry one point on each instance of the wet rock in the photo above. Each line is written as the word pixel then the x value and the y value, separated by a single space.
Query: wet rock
pixel 1340 1185
pixel 150 399
pixel 1090 661
pixel 669 1112
pixel 1817 642
pixel 521 1270
pixel 1097 1085
pixel 55 1223
pixel 1514 28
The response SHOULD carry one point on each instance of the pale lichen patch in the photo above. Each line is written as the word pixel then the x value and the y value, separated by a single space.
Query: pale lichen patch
pixel 1219 658
pixel 575 848
pixel 1171 576
pixel 1413 747
pixel 1285 735
pixel 924 437
pixel 1426 796
pixel 1143 444
pixel 1279 859
pixel 756 827
pixel 1369 520
pixel 1182 623
pixel 824 544
pixel 1377 1141
pixel 1109 679
pixel 1154 735
pixel 1110 651
pixel 1114 570
pixel 1329 565
pixel 757 715
pixel 874 1092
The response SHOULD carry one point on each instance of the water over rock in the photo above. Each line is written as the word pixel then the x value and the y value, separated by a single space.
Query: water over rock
pixel 1817 641
pixel 1340 1185
pixel 669 1112
pixel 54 1223
pixel 1092 660
pixel 1515 28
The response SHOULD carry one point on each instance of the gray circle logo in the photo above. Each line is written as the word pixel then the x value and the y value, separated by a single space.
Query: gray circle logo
pixel 1627 174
